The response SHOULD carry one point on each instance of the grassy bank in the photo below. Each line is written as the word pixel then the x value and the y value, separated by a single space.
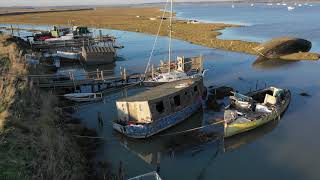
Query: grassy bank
pixel 137 19
pixel 35 142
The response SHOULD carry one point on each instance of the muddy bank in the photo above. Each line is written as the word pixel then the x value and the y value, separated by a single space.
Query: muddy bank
pixel 37 138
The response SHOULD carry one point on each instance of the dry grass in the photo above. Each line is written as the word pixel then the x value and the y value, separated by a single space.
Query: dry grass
pixel 301 56
pixel 124 18
pixel 33 142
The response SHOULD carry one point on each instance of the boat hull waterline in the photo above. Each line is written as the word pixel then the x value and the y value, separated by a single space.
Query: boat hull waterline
pixel 162 124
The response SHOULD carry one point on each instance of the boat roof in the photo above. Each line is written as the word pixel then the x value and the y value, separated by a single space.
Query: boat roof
pixel 161 91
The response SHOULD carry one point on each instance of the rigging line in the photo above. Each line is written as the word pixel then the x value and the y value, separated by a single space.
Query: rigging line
pixel 170 35
pixel 193 129
pixel 156 39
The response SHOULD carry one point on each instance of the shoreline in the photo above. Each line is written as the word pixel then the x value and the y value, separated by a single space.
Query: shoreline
pixel 145 20
pixel 203 33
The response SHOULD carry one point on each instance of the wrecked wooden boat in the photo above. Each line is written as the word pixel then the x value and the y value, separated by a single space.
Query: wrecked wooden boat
pixel 150 112
pixel 278 47
pixel 84 97
pixel 250 111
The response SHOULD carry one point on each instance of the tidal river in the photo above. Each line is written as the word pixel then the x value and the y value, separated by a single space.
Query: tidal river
pixel 287 149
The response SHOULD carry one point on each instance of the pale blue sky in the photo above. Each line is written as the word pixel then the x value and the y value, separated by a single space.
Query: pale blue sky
pixel 77 2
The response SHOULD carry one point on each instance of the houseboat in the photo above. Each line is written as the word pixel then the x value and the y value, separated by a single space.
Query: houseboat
pixel 152 111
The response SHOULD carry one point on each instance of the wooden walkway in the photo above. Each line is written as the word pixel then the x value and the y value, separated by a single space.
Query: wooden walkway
pixel 90 79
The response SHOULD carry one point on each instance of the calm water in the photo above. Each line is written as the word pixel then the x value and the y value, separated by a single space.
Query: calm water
pixel 281 150
pixel 261 22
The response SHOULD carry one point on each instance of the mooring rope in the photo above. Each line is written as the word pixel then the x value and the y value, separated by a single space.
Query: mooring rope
pixel 193 129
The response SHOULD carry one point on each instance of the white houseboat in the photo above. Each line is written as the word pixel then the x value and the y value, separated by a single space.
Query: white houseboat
pixel 157 109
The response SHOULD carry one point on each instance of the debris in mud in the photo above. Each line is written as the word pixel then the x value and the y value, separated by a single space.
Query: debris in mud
pixel 305 94
pixel 240 78
pixel 213 104
pixel 220 92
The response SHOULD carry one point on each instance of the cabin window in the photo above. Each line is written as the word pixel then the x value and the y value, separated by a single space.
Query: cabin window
pixel 140 108
pixel 195 88
pixel 160 107
pixel 177 101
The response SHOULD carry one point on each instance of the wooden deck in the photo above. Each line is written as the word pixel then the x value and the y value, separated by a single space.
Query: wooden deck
pixel 91 79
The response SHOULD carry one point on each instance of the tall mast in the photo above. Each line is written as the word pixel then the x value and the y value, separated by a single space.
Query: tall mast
pixel 170 34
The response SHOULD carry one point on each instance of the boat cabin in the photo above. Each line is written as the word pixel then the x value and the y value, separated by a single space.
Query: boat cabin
pixel 161 101
pixel 257 101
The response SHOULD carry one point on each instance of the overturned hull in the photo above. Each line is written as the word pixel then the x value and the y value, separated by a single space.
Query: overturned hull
pixel 283 46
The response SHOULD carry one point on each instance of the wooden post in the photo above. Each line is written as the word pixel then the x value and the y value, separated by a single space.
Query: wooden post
pixel 152 72
pixel 102 77
pixel 100 119
pixel 92 88
pixel 158 162
pixel 97 73
pixel 124 74
pixel 18 31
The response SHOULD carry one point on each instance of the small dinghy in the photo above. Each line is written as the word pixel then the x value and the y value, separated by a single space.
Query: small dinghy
pixel 247 112
pixel 84 97
pixel 290 8
pixel 69 55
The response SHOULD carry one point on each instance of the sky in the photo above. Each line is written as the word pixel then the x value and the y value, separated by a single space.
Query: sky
pixel 5 3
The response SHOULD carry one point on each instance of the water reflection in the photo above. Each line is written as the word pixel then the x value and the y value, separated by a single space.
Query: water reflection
pixel 264 63
pixel 235 142
pixel 166 142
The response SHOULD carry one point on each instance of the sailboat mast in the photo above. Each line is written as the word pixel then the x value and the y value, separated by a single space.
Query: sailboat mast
pixel 170 34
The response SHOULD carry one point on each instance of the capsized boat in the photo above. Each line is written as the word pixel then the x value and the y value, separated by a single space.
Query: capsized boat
pixel 250 111
pixel 152 111
pixel 84 97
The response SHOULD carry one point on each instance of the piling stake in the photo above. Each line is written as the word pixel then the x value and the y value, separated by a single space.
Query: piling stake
pixel 158 162
pixel 100 119
pixel 97 73
pixel 102 77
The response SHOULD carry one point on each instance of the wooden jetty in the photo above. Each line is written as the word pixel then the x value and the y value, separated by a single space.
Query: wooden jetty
pixel 97 78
